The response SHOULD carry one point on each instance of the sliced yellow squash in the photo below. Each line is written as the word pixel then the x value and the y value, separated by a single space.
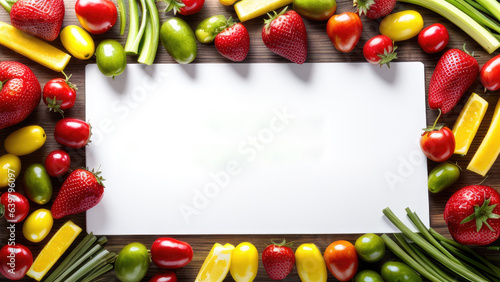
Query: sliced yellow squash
pixel 489 149
pixel 468 122
pixel 33 48
pixel 57 245
pixel 249 9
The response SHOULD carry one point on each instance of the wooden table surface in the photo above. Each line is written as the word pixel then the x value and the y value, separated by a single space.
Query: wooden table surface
pixel 320 50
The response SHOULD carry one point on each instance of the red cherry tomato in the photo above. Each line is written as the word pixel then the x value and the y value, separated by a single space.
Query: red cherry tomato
pixel 438 144
pixel 14 207
pixel 72 132
pixel 379 50
pixel 59 94
pixel 96 16
pixel 342 260
pixel 490 74
pixel 57 163
pixel 170 253
pixel 168 276
pixel 15 261
pixel 433 38
pixel 344 31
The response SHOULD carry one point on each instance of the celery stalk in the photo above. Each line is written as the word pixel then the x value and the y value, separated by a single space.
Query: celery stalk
pixel 5 5
pixel 475 14
pixel 134 48
pixel 480 34
pixel 479 7
pixel 133 26
pixel 123 16
pixel 148 52
pixel 492 6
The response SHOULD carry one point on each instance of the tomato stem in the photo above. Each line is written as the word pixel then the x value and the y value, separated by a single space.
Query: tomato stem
pixel 2 210
pixel 435 122
pixel 66 79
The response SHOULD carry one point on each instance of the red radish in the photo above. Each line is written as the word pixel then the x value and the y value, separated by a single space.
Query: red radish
pixel 81 191
pixel 57 163
pixel 455 72
pixel 285 34
pixel 278 260
pixel 233 42
pixel 41 18
pixel 473 215
pixel 380 50
pixel 59 94
pixel 375 9
pixel 72 132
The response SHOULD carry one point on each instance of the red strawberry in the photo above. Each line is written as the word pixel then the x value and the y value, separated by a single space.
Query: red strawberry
pixel 454 74
pixel 473 215
pixel 42 18
pixel 20 93
pixel 375 9
pixel 285 34
pixel 81 191
pixel 278 260
pixel 233 42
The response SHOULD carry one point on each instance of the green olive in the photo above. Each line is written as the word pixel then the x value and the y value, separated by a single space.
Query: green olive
pixel 443 176
pixel 208 29
pixel 178 39
pixel 37 184
pixel 110 57
pixel 368 276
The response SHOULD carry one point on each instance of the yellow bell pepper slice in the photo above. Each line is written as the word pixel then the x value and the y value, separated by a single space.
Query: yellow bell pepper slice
pixel 249 9
pixel 216 265
pixel 489 149
pixel 468 122
pixel 311 265
pixel 33 48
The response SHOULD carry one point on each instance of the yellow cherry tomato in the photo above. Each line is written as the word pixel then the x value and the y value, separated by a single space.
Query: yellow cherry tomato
pixel 78 42
pixel 310 264
pixel 244 262
pixel 227 2
pixel 10 167
pixel 38 225
pixel 402 25
pixel 25 140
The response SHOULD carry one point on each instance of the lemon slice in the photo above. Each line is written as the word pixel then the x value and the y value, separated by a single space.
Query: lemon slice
pixel 216 265
pixel 59 243
pixel 249 9
pixel 489 149
pixel 468 122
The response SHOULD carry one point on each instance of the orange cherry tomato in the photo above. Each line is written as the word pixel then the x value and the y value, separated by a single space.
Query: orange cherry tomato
pixel 341 260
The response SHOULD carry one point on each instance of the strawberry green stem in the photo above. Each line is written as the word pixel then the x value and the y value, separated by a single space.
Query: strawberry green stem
pixel 482 214
pixel 173 5
pixel 268 22
pixel 2 82
pixel 283 243
pixel 363 5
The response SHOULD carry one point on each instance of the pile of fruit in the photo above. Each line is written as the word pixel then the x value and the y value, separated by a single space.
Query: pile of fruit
pixel 472 213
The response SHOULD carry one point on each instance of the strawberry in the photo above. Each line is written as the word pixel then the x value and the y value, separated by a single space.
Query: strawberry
pixel 473 215
pixel 285 34
pixel 455 72
pixel 233 42
pixel 375 9
pixel 41 18
pixel 81 191
pixel 20 93
pixel 278 260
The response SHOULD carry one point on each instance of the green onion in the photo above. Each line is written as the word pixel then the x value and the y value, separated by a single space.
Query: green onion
pixel 78 263
pixel 98 272
pixel 152 36
pixel 436 268
pixel 123 16
pixel 492 6
pixel 133 26
pixel 480 34
pixel 467 259
pixel 103 257
pixel 431 250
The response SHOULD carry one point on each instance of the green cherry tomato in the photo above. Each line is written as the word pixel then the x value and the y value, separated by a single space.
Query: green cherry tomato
pixel 132 263
pixel 368 276
pixel 178 39
pixel 402 25
pixel 110 58
pixel 317 10
pixel 443 176
pixel 209 28
pixel 395 271
pixel 370 247
pixel 37 184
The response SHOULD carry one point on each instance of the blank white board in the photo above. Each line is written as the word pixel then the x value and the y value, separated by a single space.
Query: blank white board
pixel 256 148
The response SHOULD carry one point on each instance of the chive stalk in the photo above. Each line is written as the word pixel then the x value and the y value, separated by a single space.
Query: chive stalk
pixel 133 26
pixel 431 250
pixel 467 259
pixel 152 36
pixel 480 34
pixel 436 268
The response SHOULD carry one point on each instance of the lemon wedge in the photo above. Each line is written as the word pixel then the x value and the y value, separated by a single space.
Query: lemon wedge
pixel 216 265
pixel 489 149
pixel 249 9
pixel 468 122
pixel 57 245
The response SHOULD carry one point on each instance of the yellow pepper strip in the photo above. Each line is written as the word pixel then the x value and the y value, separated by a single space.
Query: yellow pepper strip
pixel 249 9
pixel 33 48
pixel 468 122
pixel 490 147
pixel 311 265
